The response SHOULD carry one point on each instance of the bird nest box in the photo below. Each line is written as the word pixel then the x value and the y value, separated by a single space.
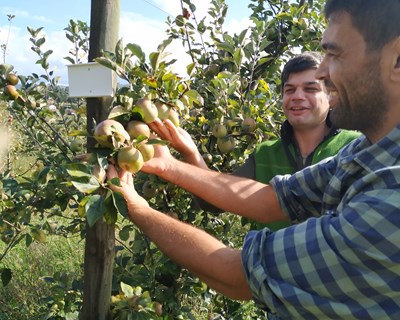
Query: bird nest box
pixel 90 80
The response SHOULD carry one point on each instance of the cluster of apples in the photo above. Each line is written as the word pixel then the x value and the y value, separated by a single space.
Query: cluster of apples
pixel 131 142
pixel 225 141
pixel 11 80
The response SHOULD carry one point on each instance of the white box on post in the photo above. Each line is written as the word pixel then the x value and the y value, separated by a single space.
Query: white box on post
pixel 90 80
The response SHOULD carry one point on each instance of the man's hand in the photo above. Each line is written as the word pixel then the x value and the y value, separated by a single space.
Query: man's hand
pixel 134 201
pixel 180 140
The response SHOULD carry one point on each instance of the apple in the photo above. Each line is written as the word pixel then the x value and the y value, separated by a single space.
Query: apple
pixel 148 190
pixel 11 91
pixel 173 115
pixel 136 128
pixel 226 144
pixel 163 110
pixel 158 309
pixel 76 145
pixel 130 159
pixel 111 134
pixel 207 157
pixel 12 78
pixel 147 109
pixel 249 125
pixel 219 131
pixel 147 151
pixel 166 112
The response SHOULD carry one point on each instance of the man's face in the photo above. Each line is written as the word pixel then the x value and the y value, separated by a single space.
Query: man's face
pixel 352 77
pixel 305 103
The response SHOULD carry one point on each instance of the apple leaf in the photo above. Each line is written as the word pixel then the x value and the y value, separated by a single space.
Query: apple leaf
pixel 6 275
pixel 120 203
pixel 95 208
pixel 87 186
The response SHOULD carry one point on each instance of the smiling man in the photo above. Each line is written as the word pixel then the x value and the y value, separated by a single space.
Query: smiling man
pixel 342 259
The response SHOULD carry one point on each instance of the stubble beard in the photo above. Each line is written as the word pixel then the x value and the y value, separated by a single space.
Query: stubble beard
pixel 364 104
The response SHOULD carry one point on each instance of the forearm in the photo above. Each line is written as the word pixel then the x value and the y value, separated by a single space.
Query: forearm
pixel 241 196
pixel 214 263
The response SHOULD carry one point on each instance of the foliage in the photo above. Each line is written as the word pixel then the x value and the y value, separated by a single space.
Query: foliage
pixel 232 77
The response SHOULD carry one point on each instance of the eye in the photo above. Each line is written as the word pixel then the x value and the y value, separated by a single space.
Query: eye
pixel 288 91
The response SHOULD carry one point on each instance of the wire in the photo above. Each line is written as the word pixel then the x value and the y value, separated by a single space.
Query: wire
pixel 154 5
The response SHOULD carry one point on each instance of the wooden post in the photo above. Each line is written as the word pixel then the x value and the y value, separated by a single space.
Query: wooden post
pixel 100 239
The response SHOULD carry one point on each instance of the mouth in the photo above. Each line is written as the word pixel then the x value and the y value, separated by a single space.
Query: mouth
pixel 298 109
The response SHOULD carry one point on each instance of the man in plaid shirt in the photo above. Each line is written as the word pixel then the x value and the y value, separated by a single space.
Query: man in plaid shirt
pixel 341 257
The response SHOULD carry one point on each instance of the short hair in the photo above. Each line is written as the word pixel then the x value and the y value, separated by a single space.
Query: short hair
pixel 378 21
pixel 304 61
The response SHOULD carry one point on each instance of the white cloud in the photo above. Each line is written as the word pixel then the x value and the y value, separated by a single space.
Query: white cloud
pixel 134 28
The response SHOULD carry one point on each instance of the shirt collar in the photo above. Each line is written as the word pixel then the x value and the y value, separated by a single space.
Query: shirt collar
pixel 374 156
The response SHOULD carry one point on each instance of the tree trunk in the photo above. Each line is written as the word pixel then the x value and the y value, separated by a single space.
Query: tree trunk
pixel 100 239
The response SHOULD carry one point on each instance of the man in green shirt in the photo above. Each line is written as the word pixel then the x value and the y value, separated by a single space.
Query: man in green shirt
pixel 307 135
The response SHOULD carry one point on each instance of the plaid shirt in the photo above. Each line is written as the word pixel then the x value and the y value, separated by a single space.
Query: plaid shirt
pixel 342 258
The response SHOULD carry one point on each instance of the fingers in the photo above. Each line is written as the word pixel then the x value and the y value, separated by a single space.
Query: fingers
pixel 126 177
pixel 111 172
pixel 161 130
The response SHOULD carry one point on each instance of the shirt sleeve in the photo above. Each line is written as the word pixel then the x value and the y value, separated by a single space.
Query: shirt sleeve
pixel 341 265
pixel 301 194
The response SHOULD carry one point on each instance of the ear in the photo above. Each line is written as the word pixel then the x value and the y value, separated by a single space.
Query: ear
pixel 395 64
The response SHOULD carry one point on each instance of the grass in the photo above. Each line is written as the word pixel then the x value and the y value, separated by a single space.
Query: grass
pixel 21 298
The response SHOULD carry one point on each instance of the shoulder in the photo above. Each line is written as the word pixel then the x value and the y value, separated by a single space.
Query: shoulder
pixel 273 143
pixel 341 138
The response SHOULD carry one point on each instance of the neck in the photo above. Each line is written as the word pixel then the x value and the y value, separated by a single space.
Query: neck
pixel 309 139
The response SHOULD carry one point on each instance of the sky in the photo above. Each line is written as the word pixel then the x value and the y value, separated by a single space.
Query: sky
pixel 141 22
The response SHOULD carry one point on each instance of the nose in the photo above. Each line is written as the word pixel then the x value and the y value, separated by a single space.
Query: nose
pixel 322 71
pixel 298 93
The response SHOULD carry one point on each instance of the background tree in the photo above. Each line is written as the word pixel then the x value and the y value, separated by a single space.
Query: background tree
pixel 232 78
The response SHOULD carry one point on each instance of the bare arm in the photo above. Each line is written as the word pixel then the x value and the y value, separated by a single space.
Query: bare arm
pixel 241 196
pixel 213 262
pixel 238 195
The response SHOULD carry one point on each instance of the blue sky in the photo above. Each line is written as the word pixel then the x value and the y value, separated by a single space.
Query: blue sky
pixel 53 16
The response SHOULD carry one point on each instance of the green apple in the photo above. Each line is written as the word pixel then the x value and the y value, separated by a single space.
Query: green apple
pixel 226 144
pixel 147 151
pixel 137 128
pixel 148 110
pixel 130 159
pixel 219 131
pixel 111 134
pixel 249 125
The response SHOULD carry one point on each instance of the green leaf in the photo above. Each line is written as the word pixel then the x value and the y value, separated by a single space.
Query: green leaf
pixel 119 51
pixel 190 68
pixel 107 63
pixel 238 56
pixel 154 59
pixel 95 209
pixel 6 276
pixel 118 111
pixel 164 44
pixel 137 51
pixel 87 187
pixel 127 290
pixel 195 96
pixel 125 233
pixel 78 170
pixel 120 203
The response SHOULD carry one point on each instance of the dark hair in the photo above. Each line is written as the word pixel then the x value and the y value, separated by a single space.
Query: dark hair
pixel 378 21
pixel 301 62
